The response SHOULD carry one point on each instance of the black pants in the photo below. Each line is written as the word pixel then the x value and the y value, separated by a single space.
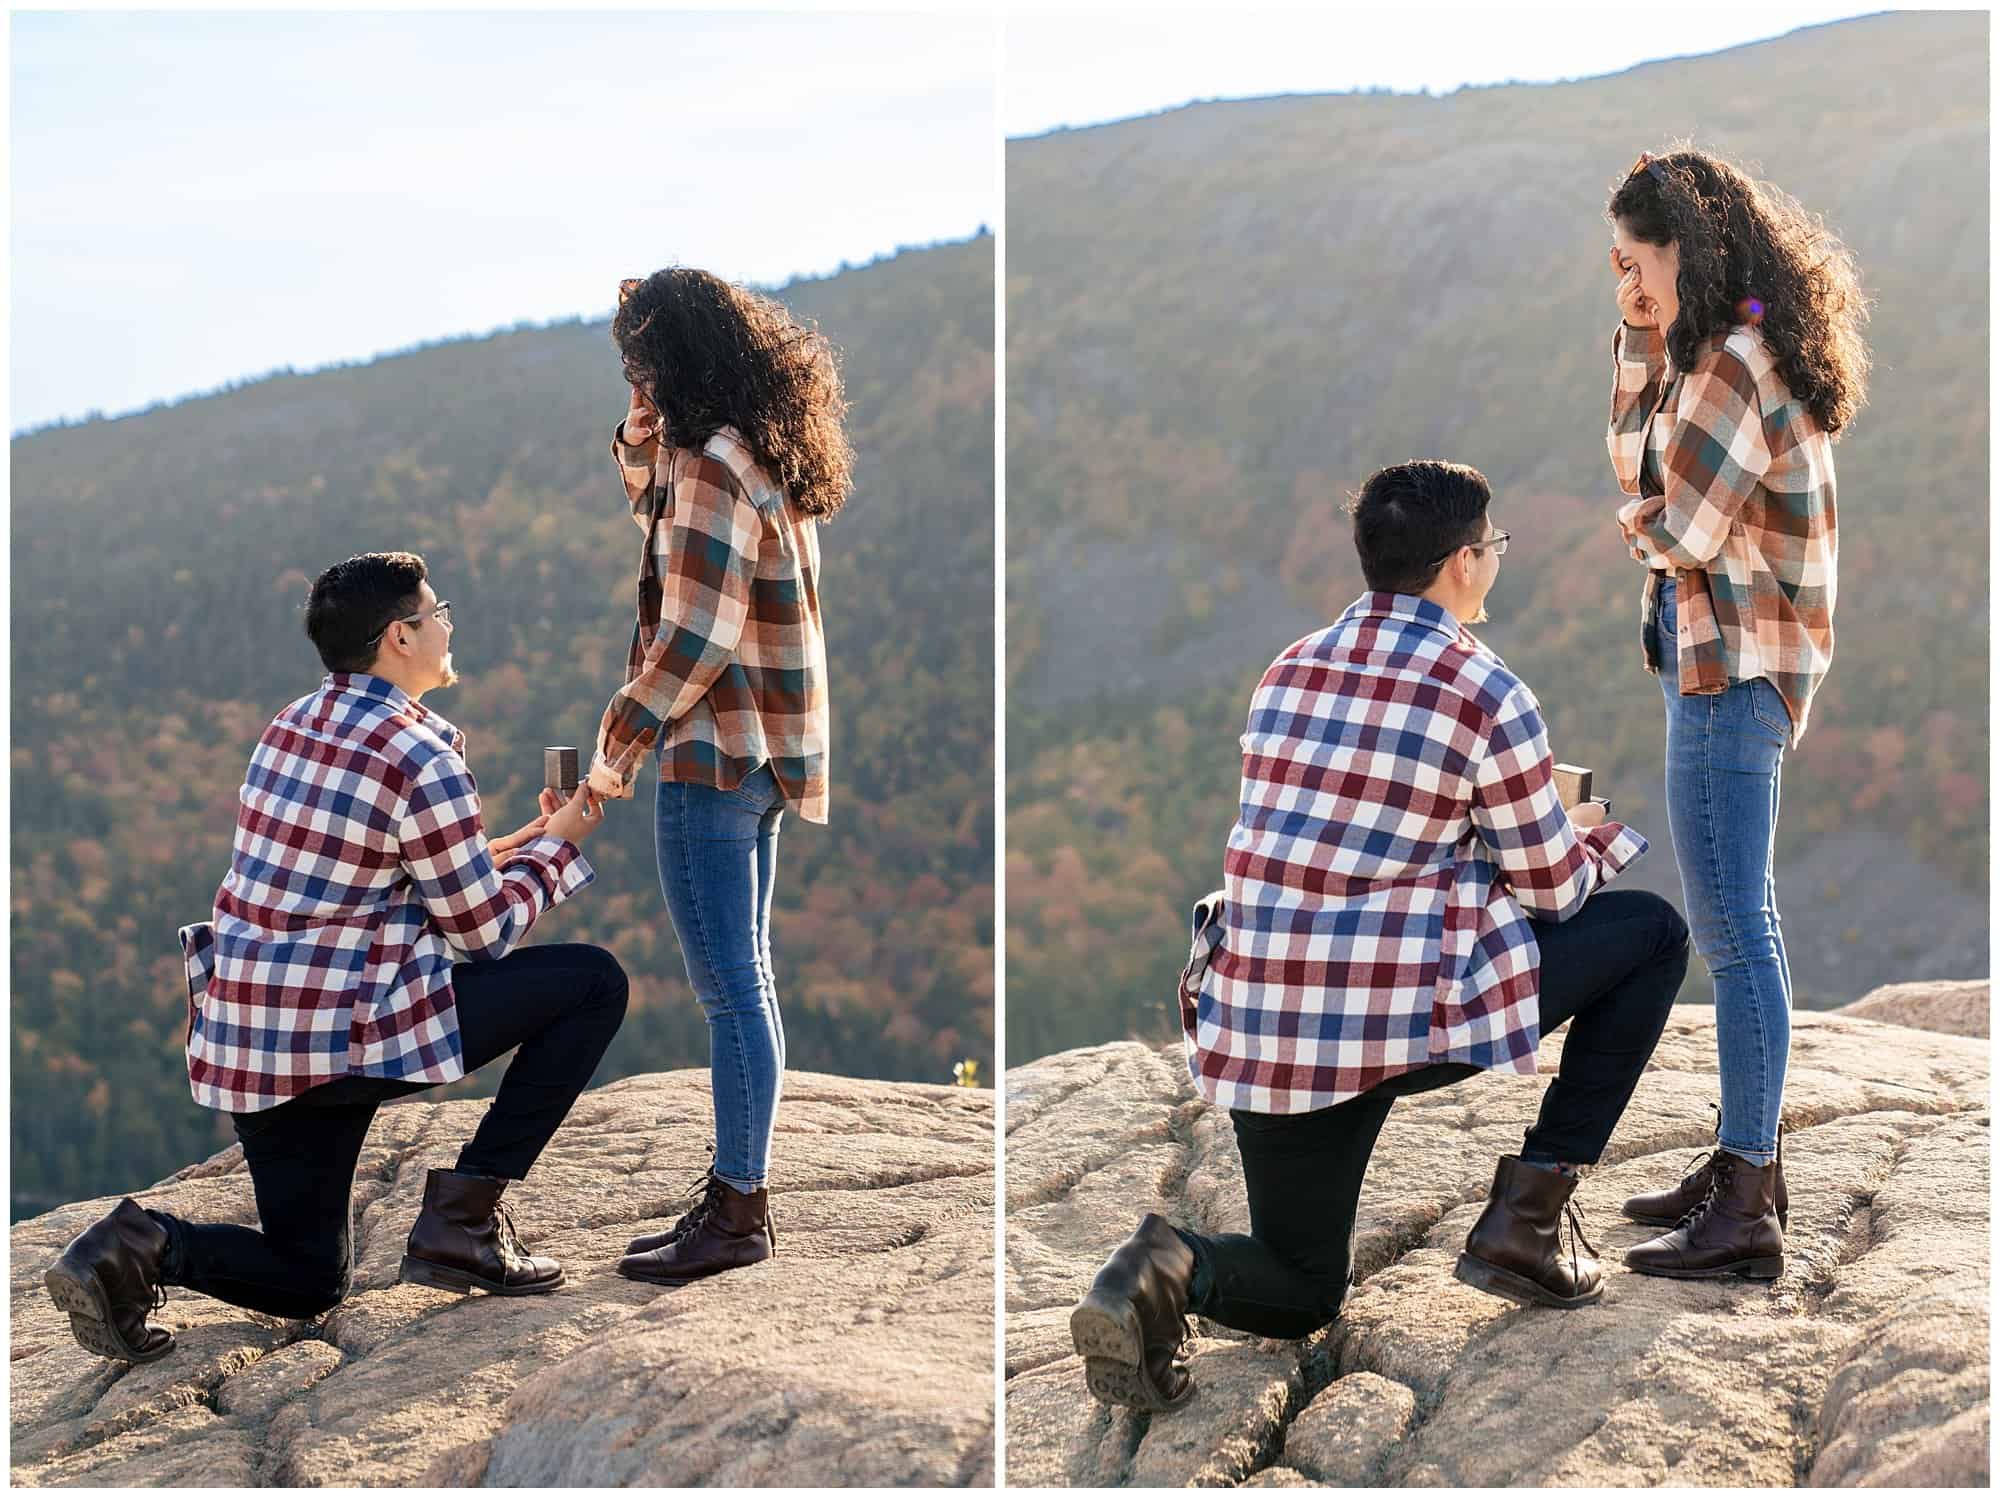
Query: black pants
pixel 1612 971
pixel 560 1004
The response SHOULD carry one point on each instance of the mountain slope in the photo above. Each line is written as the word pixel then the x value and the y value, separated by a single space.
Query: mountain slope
pixel 1221 319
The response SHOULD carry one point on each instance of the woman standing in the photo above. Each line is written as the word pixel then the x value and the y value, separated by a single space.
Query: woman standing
pixel 732 452
pixel 1738 361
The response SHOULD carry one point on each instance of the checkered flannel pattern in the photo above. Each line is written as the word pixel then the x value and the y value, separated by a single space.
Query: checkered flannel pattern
pixel 727 669
pixel 1399 822
pixel 1733 492
pixel 358 876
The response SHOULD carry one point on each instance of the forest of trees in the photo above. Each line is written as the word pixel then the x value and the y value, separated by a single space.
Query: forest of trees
pixel 1221 319
pixel 160 563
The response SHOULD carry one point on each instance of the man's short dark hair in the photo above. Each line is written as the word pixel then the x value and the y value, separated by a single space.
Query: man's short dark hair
pixel 1410 517
pixel 354 601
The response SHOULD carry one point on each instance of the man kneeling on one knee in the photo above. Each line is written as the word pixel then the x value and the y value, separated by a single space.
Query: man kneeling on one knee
pixel 1406 904
pixel 365 945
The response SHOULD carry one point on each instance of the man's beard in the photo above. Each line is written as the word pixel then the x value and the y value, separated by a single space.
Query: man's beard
pixel 448 677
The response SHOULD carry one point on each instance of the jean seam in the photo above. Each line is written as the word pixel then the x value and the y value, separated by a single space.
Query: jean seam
pixel 684 837
pixel 766 846
pixel 1729 921
pixel 732 1019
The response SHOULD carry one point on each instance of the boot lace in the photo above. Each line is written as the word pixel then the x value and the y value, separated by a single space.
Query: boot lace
pixel 509 1236
pixel 1706 1155
pixel 1721 1165
pixel 695 1193
pixel 711 1196
pixel 1576 1235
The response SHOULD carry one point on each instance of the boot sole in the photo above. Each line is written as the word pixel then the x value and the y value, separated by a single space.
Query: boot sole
pixel 442 1277
pixel 672 1282
pixel 77 1291
pixel 1749 1269
pixel 1105 1331
pixel 1517 1287
pixel 675 1281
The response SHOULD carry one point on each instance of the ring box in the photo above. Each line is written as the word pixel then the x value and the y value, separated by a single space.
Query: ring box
pixel 559 769
pixel 1572 785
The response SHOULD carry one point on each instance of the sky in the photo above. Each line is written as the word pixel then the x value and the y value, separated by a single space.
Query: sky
pixel 199 198
pixel 1066 68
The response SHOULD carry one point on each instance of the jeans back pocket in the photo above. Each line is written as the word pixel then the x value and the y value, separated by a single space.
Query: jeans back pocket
pixel 1767 705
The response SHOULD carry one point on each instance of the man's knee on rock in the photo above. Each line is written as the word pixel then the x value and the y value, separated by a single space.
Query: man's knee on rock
pixel 1674 938
pixel 611 977
pixel 327 1284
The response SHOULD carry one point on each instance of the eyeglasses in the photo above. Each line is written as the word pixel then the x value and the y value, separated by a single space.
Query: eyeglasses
pixel 1498 541
pixel 442 613
pixel 627 286
pixel 1651 167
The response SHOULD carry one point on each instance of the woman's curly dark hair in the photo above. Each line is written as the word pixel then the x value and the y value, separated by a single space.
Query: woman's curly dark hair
pixel 1750 254
pixel 709 355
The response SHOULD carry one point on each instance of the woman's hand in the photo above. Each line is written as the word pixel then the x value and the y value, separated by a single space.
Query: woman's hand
pixel 1631 534
pixel 1638 309
pixel 1632 515
pixel 642 422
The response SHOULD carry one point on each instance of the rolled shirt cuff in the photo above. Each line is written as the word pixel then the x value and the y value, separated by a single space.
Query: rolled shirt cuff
pixel 608 780
pixel 562 858
pixel 1616 846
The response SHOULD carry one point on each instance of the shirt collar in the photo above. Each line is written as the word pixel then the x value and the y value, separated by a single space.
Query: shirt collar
pixel 1408 607
pixel 365 684
pixel 369 685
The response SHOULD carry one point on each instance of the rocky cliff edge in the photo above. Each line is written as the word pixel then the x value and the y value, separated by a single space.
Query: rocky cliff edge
pixel 1866 1363
pixel 861 1354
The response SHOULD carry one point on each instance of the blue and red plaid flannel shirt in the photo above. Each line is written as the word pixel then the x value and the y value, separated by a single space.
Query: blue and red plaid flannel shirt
pixel 1399 823
pixel 359 875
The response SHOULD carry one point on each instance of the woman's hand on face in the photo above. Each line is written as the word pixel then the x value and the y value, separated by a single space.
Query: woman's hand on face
pixel 642 422
pixel 1638 309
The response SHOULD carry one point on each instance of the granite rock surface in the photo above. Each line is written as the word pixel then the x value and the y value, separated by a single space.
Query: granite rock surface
pixel 1866 1363
pixel 861 1354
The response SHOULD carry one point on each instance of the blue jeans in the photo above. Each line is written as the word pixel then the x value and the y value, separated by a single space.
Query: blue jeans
pixel 1725 753
pixel 718 854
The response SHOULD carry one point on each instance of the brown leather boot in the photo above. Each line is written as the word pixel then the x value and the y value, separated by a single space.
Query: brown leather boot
pixel 1666 1208
pixel 108 1278
pixel 1130 1328
pixel 464 1239
pixel 650 1241
pixel 1733 1231
pixel 1513 1250
pixel 726 1229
